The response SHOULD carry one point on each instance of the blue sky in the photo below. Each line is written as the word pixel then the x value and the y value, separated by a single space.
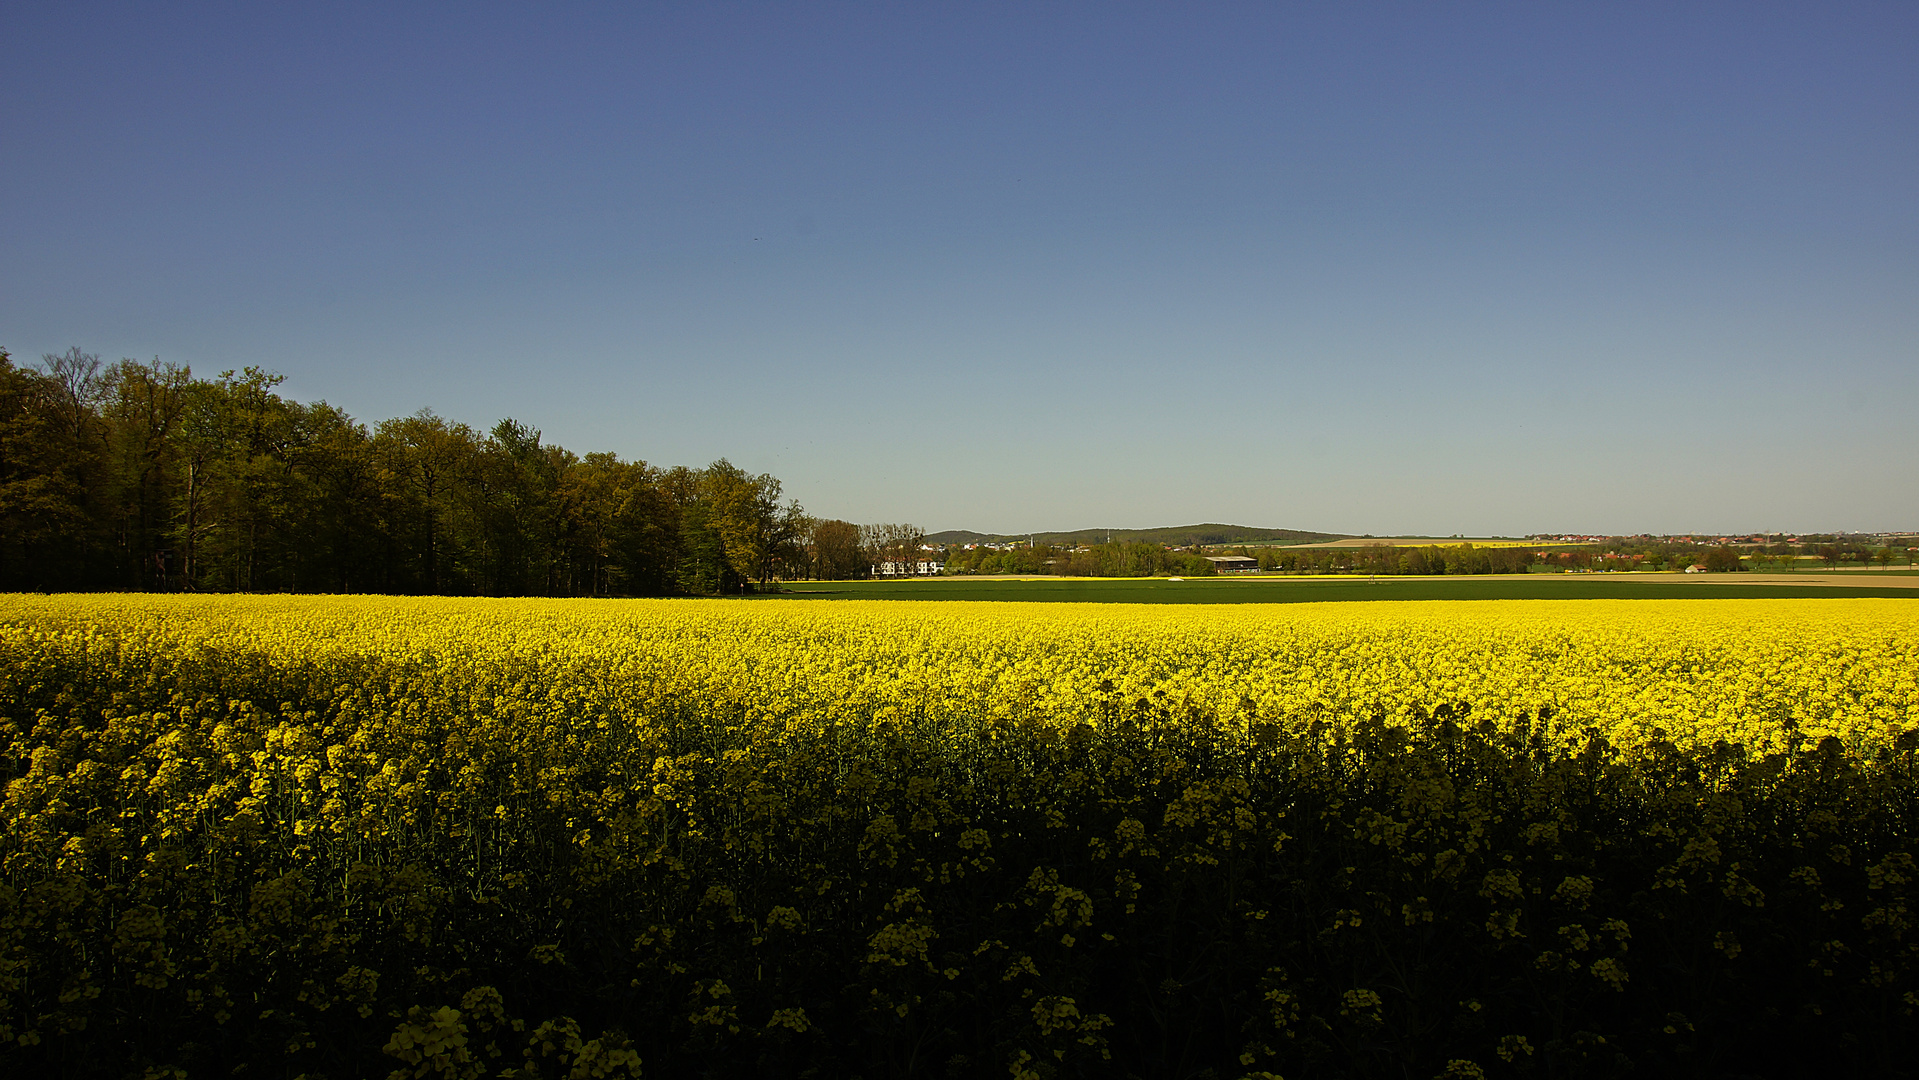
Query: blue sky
pixel 1370 268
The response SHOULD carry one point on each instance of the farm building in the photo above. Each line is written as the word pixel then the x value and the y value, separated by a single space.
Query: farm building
pixel 1229 564
pixel 923 568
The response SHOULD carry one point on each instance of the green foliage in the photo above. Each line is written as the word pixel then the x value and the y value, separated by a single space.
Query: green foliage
pixel 1722 560
pixel 140 477
pixel 1431 560
pixel 43 476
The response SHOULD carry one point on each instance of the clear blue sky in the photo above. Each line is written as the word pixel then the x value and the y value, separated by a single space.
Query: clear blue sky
pixel 1432 268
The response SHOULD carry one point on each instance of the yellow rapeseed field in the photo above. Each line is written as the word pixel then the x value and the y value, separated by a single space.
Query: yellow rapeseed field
pixel 1699 671
pixel 462 838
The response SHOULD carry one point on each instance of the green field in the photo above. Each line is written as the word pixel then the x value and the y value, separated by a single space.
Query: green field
pixel 1295 590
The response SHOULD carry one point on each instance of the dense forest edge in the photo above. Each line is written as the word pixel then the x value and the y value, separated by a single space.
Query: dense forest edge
pixel 141 477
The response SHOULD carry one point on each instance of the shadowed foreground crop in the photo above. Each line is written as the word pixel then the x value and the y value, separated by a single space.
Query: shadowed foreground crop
pixel 239 840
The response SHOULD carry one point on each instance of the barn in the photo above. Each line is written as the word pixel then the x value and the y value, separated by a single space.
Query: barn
pixel 1233 564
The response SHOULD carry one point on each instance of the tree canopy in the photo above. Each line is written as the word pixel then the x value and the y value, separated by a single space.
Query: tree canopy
pixel 140 476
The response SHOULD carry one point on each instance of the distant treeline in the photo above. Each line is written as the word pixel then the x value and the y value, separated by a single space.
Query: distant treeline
pixel 1833 552
pixel 1211 533
pixel 1383 559
pixel 138 476
pixel 1123 559
pixel 1144 559
pixel 1642 554
pixel 1135 559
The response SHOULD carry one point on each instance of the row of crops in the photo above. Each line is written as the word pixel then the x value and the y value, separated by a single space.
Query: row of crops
pixel 350 837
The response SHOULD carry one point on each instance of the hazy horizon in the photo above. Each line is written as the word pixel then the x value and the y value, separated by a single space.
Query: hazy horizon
pixel 1713 533
pixel 1492 269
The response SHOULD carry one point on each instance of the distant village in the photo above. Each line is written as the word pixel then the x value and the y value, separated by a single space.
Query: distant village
pixel 1553 553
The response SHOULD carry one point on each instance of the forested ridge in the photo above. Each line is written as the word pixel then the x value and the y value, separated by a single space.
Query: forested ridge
pixel 140 476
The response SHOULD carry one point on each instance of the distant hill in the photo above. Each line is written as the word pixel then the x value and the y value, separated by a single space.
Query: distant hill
pixel 1174 536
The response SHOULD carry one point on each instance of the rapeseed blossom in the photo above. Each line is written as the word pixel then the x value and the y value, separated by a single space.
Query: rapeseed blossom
pixel 525 837
pixel 1694 672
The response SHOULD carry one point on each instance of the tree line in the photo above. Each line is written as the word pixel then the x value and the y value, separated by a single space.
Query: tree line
pixel 1125 558
pixel 1645 553
pixel 140 476
pixel 1432 559
pixel 1143 559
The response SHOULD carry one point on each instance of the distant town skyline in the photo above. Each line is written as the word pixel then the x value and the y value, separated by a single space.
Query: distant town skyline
pixel 1486 268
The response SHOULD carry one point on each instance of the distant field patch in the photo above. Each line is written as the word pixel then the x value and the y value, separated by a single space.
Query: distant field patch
pixel 1294 590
